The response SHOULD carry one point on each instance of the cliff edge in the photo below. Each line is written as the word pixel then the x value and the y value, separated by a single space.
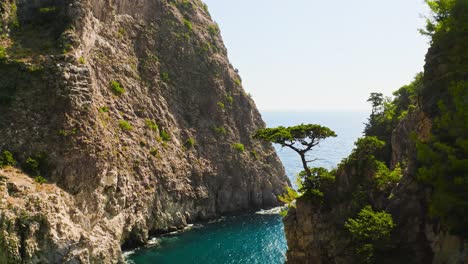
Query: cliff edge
pixel 128 120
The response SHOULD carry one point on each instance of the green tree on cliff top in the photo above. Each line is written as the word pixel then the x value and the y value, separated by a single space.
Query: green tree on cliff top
pixel 301 138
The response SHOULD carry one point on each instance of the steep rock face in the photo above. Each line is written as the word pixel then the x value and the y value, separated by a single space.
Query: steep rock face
pixel 159 147
pixel 315 233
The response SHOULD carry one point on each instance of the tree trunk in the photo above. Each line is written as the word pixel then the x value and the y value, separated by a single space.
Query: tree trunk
pixel 304 163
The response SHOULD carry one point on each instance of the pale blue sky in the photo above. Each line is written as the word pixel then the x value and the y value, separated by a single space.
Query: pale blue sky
pixel 321 55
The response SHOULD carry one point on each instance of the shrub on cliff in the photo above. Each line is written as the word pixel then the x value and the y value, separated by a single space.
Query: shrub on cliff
pixel 370 231
pixel 124 125
pixel 317 184
pixel 7 159
pixel 164 135
pixel 116 88
pixel 36 164
pixel 239 147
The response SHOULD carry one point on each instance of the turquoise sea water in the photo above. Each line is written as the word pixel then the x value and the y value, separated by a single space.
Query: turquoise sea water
pixel 254 238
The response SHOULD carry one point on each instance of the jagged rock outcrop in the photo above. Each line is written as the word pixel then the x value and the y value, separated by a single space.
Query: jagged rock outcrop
pixel 316 233
pixel 135 117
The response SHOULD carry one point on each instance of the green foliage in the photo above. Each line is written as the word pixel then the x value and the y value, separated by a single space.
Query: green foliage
pixel 154 152
pixel 384 177
pixel 213 29
pixel 239 147
pixel 229 99
pixel 164 135
pixel 165 77
pixel 3 53
pixel 370 230
pixel 124 125
pixel 370 226
pixel 441 19
pixel 66 133
pixel 317 184
pixel 104 109
pixel 36 164
pixel 7 159
pixel 186 4
pixel 81 60
pixel 151 125
pixel 39 179
pixel 283 212
pixel 443 156
pixel 386 113
pixel 220 130
pixel 221 105
pixel 288 196
pixel 444 160
pixel 121 33
pixel 116 88
pixel 288 136
pixel 367 146
pixel 188 25
pixel 47 10
pixel 254 154
pixel 238 82
pixel 190 143
pixel 205 7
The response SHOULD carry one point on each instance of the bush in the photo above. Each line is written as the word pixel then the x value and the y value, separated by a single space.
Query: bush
pixel 81 60
pixel 254 154
pixel 315 186
pixel 190 143
pixel 220 130
pixel 164 135
pixel 188 25
pixel 288 196
pixel 104 109
pixel 384 177
pixel 370 231
pixel 154 152
pixel 39 179
pixel 229 99
pixel 124 125
pixel 239 147
pixel 151 125
pixel 36 164
pixel 213 29
pixel 370 226
pixel 165 77
pixel 2 53
pixel 7 159
pixel 221 105
pixel 116 88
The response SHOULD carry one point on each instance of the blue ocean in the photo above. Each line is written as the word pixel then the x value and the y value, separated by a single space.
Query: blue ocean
pixel 254 238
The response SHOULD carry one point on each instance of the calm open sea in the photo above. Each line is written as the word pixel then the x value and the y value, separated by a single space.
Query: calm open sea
pixel 254 238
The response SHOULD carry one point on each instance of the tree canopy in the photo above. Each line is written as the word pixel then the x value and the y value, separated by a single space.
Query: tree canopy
pixel 301 138
pixel 306 135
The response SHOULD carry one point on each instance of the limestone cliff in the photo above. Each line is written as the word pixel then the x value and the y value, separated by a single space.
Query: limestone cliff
pixel 133 114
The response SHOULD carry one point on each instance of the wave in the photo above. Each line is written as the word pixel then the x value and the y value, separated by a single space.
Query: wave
pixel 271 211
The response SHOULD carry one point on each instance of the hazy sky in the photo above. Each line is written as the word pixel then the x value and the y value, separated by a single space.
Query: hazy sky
pixel 322 55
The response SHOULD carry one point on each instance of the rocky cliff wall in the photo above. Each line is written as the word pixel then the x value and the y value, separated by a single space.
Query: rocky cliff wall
pixel 136 119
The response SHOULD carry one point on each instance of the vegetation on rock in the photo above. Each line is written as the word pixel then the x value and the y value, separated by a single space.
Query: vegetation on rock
pixel 6 159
